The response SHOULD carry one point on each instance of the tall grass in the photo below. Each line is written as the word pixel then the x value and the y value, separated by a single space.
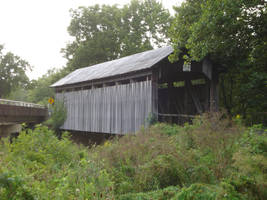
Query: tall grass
pixel 213 158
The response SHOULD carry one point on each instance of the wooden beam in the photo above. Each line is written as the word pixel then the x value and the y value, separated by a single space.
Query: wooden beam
pixel 117 78
pixel 207 95
pixel 207 68
pixel 185 107
pixel 155 101
pixel 169 103
pixel 193 95
pixel 214 92
pixel 175 115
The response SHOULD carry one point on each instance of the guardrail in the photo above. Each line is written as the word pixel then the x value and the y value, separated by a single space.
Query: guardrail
pixel 20 103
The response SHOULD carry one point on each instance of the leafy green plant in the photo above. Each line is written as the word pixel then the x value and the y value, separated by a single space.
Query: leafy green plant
pixel 12 187
pixel 164 194
pixel 151 119
pixel 58 116
pixel 41 166
pixel 208 192
pixel 213 158
pixel 250 161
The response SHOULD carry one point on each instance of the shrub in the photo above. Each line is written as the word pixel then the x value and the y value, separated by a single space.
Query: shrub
pixel 13 187
pixel 37 161
pixel 212 140
pixel 166 155
pixel 250 161
pixel 213 158
pixel 164 194
pixel 161 172
pixel 208 192
pixel 58 116
pixel 127 158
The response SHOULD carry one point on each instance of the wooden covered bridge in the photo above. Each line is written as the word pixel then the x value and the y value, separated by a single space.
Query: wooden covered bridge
pixel 119 96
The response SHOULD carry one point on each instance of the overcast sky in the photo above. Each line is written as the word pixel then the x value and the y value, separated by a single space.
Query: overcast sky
pixel 36 30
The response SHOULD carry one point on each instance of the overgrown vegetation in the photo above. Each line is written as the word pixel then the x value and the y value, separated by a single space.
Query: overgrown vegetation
pixel 233 35
pixel 214 158
pixel 58 116
pixel 37 165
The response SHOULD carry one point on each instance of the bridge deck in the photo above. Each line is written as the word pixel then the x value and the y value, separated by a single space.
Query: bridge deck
pixel 19 112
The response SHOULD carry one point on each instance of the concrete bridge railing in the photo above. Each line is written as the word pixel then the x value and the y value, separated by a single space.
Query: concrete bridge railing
pixel 20 103
pixel 13 113
pixel 19 112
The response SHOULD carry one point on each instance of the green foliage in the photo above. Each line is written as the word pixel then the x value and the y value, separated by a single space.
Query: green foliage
pixel 105 32
pixel 233 35
pixel 19 94
pixel 208 192
pixel 213 158
pixel 131 163
pixel 164 194
pixel 250 161
pixel 58 115
pixel 40 90
pixel 37 165
pixel 12 72
pixel 12 187
pixel 169 129
pixel 151 119
pixel 199 158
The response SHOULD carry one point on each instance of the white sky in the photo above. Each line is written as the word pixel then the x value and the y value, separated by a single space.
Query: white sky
pixel 36 30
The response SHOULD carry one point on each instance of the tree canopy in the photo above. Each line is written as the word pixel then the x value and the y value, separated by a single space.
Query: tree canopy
pixel 12 72
pixel 103 33
pixel 40 90
pixel 234 35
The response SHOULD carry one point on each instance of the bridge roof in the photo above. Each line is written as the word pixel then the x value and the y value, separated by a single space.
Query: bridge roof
pixel 136 62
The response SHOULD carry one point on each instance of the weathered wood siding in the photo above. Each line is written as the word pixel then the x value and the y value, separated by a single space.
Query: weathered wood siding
pixel 118 109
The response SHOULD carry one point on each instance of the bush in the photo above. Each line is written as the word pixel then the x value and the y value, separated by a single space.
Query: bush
pixel 128 159
pixel 208 192
pixel 213 158
pixel 58 116
pixel 164 194
pixel 161 172
pixel 13 187
pixel 37 161
pixel 170 155
pixel 250 161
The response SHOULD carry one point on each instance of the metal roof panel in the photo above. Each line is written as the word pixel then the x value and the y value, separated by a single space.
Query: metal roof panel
pixel 136 62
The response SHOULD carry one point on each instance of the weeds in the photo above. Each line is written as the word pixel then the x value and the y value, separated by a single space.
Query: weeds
pixel 213 158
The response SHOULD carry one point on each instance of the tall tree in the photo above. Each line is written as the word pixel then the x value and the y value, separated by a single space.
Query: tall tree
pixel 12 72
pixel 105 32
pixel 40 91
pixel 234 35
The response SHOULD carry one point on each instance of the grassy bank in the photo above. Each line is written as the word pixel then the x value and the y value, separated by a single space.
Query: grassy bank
pixel 215 158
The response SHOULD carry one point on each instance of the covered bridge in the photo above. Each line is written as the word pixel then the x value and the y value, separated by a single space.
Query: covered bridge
pixel 119 96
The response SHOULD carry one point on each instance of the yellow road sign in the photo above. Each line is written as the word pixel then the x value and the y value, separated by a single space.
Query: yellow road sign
pixel 51 100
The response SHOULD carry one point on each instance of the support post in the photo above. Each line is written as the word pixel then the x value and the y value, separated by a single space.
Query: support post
pixel 214 92
pixel 207 95
pixel 185 106
pixel 193 95
pixel 7 129
pixel 154 80
pixel 169 103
